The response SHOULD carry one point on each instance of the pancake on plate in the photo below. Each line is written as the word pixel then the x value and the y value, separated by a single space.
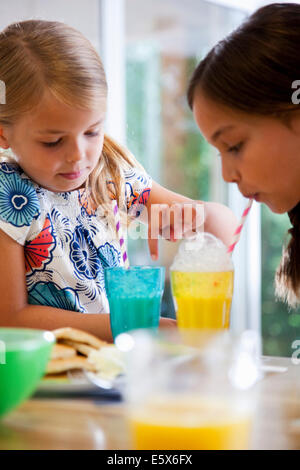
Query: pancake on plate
pixel 71 352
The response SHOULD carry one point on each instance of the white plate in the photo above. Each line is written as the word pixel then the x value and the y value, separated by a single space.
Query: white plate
pixel 76 382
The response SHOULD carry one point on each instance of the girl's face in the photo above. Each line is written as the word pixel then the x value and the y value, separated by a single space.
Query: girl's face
pixel 260 154
pixel 57 146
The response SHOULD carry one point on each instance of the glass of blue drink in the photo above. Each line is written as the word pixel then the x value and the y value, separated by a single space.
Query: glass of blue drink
pixel 134 297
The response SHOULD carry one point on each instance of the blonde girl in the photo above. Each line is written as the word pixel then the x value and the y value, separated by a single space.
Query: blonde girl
pixel 58 171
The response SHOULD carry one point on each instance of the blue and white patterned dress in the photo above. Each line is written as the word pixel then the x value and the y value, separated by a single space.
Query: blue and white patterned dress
pixel 67 242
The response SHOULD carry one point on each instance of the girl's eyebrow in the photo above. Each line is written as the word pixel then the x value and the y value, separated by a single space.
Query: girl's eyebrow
pixel 56 131
pixel 220 131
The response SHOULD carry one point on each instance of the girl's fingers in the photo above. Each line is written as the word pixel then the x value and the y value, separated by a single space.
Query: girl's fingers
pixel 153 245
pixel 173 223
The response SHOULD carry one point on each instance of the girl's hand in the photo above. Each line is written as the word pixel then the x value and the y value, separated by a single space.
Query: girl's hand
pixel 163 212
pixel 167 323
pixel 180 220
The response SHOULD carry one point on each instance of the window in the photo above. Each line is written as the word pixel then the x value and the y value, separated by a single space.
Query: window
pixel 165 40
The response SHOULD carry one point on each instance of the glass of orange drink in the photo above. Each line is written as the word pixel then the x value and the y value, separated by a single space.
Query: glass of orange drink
pixel 202 277
pixel 183 397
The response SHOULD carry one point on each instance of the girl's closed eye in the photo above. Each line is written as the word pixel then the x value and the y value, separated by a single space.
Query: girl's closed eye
pixel 53 144
pixel 235 148
pixel 92 134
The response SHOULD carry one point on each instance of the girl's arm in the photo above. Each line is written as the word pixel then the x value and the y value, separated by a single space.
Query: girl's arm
pixel 218 218
pixel 220 221
pixel 15 310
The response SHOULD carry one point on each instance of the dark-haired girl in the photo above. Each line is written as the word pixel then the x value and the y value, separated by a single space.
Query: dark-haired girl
pixel 244 101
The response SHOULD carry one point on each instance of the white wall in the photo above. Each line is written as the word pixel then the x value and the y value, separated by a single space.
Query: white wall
pixel 248 5
pixel 81 14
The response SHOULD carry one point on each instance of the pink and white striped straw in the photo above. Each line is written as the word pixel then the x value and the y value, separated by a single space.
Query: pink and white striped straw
pixel 120 234
pixel 237 233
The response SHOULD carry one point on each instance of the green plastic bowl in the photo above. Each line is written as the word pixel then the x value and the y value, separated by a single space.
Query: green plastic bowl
pixel 24 354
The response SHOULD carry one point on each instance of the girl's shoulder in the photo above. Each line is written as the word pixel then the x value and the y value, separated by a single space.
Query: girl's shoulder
pixel 16 188
pixel 11 172
pixel 137 176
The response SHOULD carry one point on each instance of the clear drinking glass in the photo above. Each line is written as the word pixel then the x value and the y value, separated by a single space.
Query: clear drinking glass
pixel 186 397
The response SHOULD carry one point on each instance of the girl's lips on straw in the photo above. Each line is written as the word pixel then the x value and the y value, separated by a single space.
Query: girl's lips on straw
pixel 252 196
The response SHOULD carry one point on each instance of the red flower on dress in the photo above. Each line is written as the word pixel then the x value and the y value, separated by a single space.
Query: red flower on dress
pixel 38 252
pixel 144 196
pixel 139 198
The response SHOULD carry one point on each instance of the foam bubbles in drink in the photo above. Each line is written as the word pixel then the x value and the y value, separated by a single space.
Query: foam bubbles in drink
pixel 204 253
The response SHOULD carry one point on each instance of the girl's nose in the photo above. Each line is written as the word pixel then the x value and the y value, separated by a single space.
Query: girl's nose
pixel 75 153
pixel 230 173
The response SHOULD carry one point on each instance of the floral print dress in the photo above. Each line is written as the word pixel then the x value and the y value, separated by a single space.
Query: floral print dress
pixel 67 243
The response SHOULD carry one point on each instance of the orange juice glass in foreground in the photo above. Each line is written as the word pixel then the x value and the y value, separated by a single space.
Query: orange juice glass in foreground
pixel 202 280
pixel 183 397
pixel 189 422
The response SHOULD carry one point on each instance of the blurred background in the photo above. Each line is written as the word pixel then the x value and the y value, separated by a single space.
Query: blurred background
pixel 149 50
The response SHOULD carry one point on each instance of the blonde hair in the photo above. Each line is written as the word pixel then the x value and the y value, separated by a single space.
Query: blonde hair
pixel 38 56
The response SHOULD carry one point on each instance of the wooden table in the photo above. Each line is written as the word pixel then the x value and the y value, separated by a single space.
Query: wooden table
pixel 88 424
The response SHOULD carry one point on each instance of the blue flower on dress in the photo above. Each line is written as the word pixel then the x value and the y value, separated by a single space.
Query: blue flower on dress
pixel 62 227
pixel 18 200
pixel 128 190
pixel 83 255
pixel 91 288
pixel 50 294
pixel 108 255
pixel 7 167
pixel 41 191
pixel 85 220
pixel 130 173
pixel 66 195
pixel 143 179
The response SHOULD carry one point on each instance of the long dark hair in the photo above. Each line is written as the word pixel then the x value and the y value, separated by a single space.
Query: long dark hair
pixel 252 70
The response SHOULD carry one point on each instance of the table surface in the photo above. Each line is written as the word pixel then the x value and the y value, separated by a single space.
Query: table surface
pixel 90 423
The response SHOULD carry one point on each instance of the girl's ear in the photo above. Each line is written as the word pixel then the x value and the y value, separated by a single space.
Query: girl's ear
pixel 3 140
